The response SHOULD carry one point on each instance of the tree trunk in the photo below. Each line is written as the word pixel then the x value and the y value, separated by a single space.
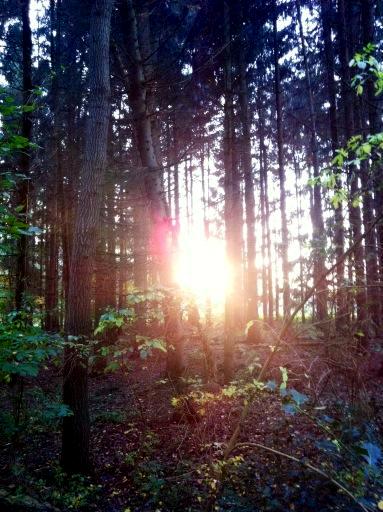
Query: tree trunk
pixel 55 179
pixel 251 273
pixel 76 429
pixel 319 236
pixel 281 170
pixel 233 207
pixel 346 49
pixel 371 182
pixel 22 191
pixel 161 227
pixel 299 214
pixel 268 291
pixel 326 16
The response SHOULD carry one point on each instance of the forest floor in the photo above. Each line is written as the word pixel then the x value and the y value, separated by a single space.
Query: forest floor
pixel 151 452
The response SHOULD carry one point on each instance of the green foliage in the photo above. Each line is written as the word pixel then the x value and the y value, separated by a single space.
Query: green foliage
pixel 146 345
pixel 45 412
pixel 114 319
pixel 25 349
pixel 115 417
pixel 40 413
pixel 359 148
pixel 13 221
pixel 67 492
pixel 368 69
pixel 358 457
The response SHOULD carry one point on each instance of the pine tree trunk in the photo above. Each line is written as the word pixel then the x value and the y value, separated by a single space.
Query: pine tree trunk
pixel 371 182
pixel 22 191
pixel 55 180
pixel 326 16
pixel 281 171
pixel 348 112
pixel 233 207
pixel 251 273
pixel 75 457
pixel 269 291
pixel 161 228
pixel 319 236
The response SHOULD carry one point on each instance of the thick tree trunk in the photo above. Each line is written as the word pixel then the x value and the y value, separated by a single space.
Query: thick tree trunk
pixel 76 428
pixel 371 256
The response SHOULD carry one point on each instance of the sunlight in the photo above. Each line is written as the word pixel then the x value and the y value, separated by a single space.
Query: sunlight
pixel 201 268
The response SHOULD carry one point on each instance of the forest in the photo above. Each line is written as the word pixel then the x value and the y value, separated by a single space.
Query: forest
pixel 191 255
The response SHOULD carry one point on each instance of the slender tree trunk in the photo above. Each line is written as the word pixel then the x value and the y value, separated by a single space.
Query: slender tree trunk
pixel 176 179
pixel 348 111
pixel 371 256
pixel 161 228
pixel 269 291
pixel 372 182
pixel 264 235
pixel 251 273
pixel 55 178
pixel 22 191
pixel 281 170
pixel 326 16
pixel 298 198
pixel 233 207
pixel 319 236
pixel 75 456
pixel 122 243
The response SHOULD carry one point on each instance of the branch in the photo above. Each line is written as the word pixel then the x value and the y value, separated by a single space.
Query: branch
pixel 308 465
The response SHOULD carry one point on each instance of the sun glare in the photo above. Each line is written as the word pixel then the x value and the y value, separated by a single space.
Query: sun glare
pixel 201 268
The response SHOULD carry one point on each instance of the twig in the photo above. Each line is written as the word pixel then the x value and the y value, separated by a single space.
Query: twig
pixel 308 465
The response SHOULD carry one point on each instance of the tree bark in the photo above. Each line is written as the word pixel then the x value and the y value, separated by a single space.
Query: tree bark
pixel 161 225
pixel 233 207
pixel 55 179
pixel 251 273
pixel 75 457
pixel 326 16
pixel 346 49
pixel 281 170
pixel 319 236
pixel 22 191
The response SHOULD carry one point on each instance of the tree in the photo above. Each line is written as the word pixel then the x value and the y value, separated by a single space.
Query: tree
pixel 152 179
pixel 23 189
pixel 281 169
pixel 75 440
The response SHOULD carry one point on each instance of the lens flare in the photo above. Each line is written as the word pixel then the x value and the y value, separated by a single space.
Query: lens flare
pixel 201 268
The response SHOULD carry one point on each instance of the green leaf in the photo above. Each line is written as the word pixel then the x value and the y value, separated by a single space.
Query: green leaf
pixel 299 398
pixel 283 385
pixel 289 409
pixel 373 453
